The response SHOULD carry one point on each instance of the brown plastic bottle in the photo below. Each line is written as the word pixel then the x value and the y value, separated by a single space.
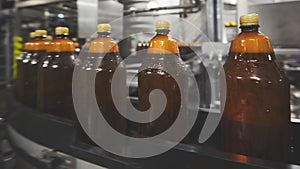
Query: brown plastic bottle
pixel 77 46
pixel 30 67
pixel 27 50
pixel 257 109
pixel 162 54
pixel 106 56
pixel 55 76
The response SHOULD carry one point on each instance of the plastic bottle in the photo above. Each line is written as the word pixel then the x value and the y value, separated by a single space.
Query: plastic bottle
pixel 162 54
pixel 55 76
pixel 105 51
pixel 256 115
pixel 27 50
pixel 30 67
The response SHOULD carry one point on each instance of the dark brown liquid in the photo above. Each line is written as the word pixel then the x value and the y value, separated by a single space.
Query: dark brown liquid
pixel 30 77
pixel 20 80
pixel 155 78
pixel 105 72
pixel 55 84
pixel 256 115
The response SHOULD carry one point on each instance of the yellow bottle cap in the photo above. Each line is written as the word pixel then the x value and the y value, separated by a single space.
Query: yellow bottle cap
pixel 41 33
pixel 249 19
pixel 49 38
pixel 32 34
pixel 61 31
pixel 162 25
pixel 104 28
pixel 234 24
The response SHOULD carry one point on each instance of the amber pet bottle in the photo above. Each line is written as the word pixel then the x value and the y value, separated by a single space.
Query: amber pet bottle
pixel 257 107
pixel 162 54
pixel 104 49
pixel 30 67
pixel 55 76
pixel 21 61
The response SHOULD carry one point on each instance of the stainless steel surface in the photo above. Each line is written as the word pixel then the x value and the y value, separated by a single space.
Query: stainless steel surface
pixel 215 49
pixel 145 22
pixel 137 22
pixel 255 2
pixel 110 11
pixel 33 3
pixel 8 54
pixel 38 151
pixel 220 36
pixel 92 12
pixel 281 22
pixel 287 51
pixel 242 9
pixel 87 17
pixel 210 19
pixel 199 21
pixel 215 20
pixel 190 8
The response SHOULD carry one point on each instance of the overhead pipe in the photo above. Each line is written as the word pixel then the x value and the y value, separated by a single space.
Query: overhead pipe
pixel 193 8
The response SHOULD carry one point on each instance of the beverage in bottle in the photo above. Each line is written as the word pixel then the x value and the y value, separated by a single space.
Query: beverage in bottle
pixel 104 53
pixel 162 55
pixel 55 76
pixel 30 67
pixel 256 114
pixel 77 46
pixel 20 66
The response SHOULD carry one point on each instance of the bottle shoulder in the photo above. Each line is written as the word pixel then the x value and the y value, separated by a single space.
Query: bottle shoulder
pixel 61 45
pixel 251 42
pixel 103 45
pixel 163 44
pixel 40 44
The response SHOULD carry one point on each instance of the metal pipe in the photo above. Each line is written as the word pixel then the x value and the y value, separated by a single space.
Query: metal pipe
pixel 8 55
pixel 210 12
pixel 189 9
pixel 34 3
pixel 215 20
pixel 219 21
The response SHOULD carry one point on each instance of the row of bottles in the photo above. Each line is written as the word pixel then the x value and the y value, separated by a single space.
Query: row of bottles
pixel 256 105
pixel 45 72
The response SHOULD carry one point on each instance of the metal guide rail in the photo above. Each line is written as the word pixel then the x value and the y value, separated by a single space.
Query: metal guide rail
pixel 51 142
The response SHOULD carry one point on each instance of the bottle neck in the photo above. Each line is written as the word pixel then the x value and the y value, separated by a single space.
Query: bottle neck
pixel 61 36
pixel 251 28
pixel 104 34
pixel 163 32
